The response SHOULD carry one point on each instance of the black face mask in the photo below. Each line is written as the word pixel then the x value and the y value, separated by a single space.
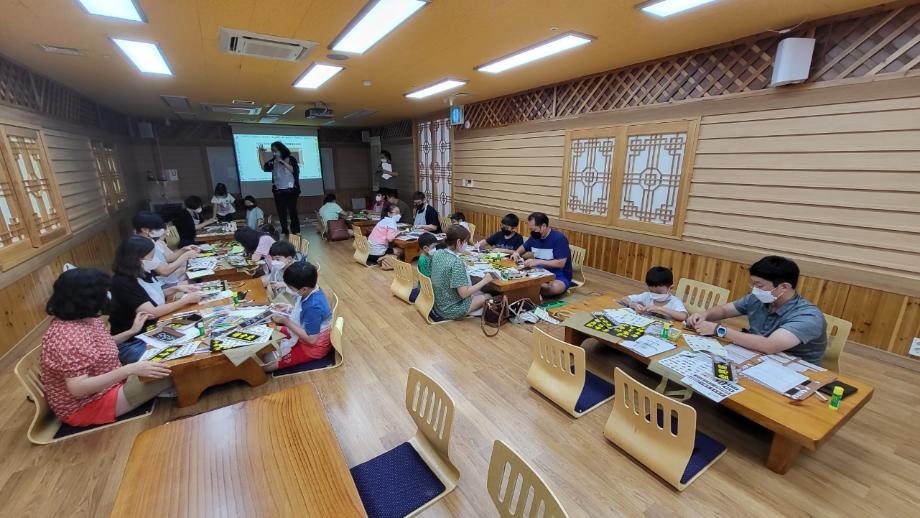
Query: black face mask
pixel 536 235
pixel 508 233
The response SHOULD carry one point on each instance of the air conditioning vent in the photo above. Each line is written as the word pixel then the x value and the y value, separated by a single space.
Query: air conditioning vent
pixel 231 109
pixel 360 114
pixel 280 109
pixel 263 46
pixel 176 102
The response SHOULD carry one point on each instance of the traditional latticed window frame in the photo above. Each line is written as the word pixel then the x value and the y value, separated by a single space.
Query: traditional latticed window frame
pixel 633 177
pixel 32 209
pixel 109 175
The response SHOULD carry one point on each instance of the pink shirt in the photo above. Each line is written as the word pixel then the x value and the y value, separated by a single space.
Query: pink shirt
pixel 380 237
pixel 265 243
pixel 70 349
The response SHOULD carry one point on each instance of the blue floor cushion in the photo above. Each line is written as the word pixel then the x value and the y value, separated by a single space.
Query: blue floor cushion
pixel 435 317
pixel 66 429
pixel 705 449
pixel 395 483
pixel 325 361
pixel 596 390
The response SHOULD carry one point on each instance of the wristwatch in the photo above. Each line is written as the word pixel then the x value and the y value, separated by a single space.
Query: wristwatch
pixel 720 331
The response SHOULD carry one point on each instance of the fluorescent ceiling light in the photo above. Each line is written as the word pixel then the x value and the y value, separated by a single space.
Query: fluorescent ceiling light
pixel 374 22
pixel 664 8
pixel 539 51
pixel 436 88
pixel 280 109
pixel 123 9
pixel 147 57
pixel 316 75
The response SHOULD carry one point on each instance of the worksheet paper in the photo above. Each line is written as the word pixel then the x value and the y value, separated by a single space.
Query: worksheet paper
pixel 713 388
pixel 648 346
pixel 195 274
pixel 627 316
pixel 774 376
pixel 688 363
pixel 738 354
pixel 705 344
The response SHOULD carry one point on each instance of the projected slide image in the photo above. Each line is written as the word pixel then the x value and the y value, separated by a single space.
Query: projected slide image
pixel 252 151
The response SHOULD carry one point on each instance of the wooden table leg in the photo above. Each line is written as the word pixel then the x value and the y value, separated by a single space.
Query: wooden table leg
pixel 190 383
pixel 410 254
pixel 783 453
pixel 575 337
pixel 530 292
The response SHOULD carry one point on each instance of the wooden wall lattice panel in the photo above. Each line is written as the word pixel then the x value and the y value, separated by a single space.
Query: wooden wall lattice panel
pixel 882 320
pixel 22 88
pixel 874 43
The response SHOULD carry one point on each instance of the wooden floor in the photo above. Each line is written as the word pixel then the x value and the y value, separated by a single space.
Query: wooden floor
pixel 871 467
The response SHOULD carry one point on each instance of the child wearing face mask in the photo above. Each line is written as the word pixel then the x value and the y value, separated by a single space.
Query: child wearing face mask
pixel 659 300
pixel 223 203
pixel 379 242
pixel 170 265
pixel 282 254
pixel 507 238
pixel 427 244
pixel 307 323
pixel 189 221
pixel 254 215
pixel 380 203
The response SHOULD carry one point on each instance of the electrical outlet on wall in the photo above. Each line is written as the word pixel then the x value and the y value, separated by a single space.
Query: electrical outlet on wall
pixel 915 348
pixel 467 182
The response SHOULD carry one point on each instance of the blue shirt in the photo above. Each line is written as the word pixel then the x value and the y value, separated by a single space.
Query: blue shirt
pixel 798 316
pixel 315 315
pixel 553 246
pixel 499 240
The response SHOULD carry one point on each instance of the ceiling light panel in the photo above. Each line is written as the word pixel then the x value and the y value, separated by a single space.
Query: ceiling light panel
pixel 441 86
pixel 316 75
pixel 146 56
pixel 280 109
pixel 663 8
pixel 376 20
pixel 541 50
pixel 121 9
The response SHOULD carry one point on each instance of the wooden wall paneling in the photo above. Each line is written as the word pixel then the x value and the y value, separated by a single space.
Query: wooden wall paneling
pixel 908 327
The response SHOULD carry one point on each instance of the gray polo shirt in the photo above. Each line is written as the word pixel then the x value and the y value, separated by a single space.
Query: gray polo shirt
pixel 798 316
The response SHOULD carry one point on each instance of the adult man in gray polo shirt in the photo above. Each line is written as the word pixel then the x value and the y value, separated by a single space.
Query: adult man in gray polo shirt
pixel 780 319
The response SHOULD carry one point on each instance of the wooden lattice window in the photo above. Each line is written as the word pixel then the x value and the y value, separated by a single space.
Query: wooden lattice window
pixel 589 159
pixel 631 176
pixel 109 175
pixel 33 209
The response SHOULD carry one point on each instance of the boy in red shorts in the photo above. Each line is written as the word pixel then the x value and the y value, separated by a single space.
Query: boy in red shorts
pixel 309 323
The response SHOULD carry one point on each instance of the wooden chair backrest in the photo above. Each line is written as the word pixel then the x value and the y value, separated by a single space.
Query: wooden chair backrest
pixel 633 426
pixel 578 263
pixel 516 489
pixel 557 370
pixel 838 331
pixel 301 244
pixel 172 236
pixel 424 303
pixel 362 248
pixel 472 229
pixel 337 339
pixel 445 223
pixel 432 409
pixel 699 296
pixel 404 281
pixel 335 306
pixel 28 370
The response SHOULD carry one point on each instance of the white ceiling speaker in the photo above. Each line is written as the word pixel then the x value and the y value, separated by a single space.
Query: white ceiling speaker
pixel 263 46
pixel 793 61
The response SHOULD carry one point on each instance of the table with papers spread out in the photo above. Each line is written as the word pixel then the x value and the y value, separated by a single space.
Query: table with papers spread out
pixel 519 284
pixel 795 424
pixel 193 373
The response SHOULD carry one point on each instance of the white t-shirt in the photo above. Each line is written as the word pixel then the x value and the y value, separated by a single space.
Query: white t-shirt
pixel 223 205
pixel 674 303
pixel 159 253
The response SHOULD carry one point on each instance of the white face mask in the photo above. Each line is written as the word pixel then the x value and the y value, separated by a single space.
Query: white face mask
pixel 395 217
pixel 277 265
pixel 383 160
pixel 765 296
pixel 198 210
pixel 292 292
pixel 149 264
pixel 379 198
pixel 276 154
pixel 659 297
pixel 157 234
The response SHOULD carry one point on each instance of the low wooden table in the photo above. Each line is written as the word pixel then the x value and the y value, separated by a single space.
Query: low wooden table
pixel 410 248
pixel 366 226
pixel 213 237
pixel 523 288
pixel 193 374
pixel 276 455
pixel 794 426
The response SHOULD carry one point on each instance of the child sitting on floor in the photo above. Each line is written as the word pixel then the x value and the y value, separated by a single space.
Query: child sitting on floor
pixel 308 326
pixel 281 255
pixel 426 244
pixel 659 300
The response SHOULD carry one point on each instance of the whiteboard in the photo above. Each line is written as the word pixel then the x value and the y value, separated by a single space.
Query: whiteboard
pixel 222 164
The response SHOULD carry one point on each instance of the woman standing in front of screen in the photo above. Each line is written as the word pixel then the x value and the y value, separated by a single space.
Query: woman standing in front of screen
pixel 285 185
